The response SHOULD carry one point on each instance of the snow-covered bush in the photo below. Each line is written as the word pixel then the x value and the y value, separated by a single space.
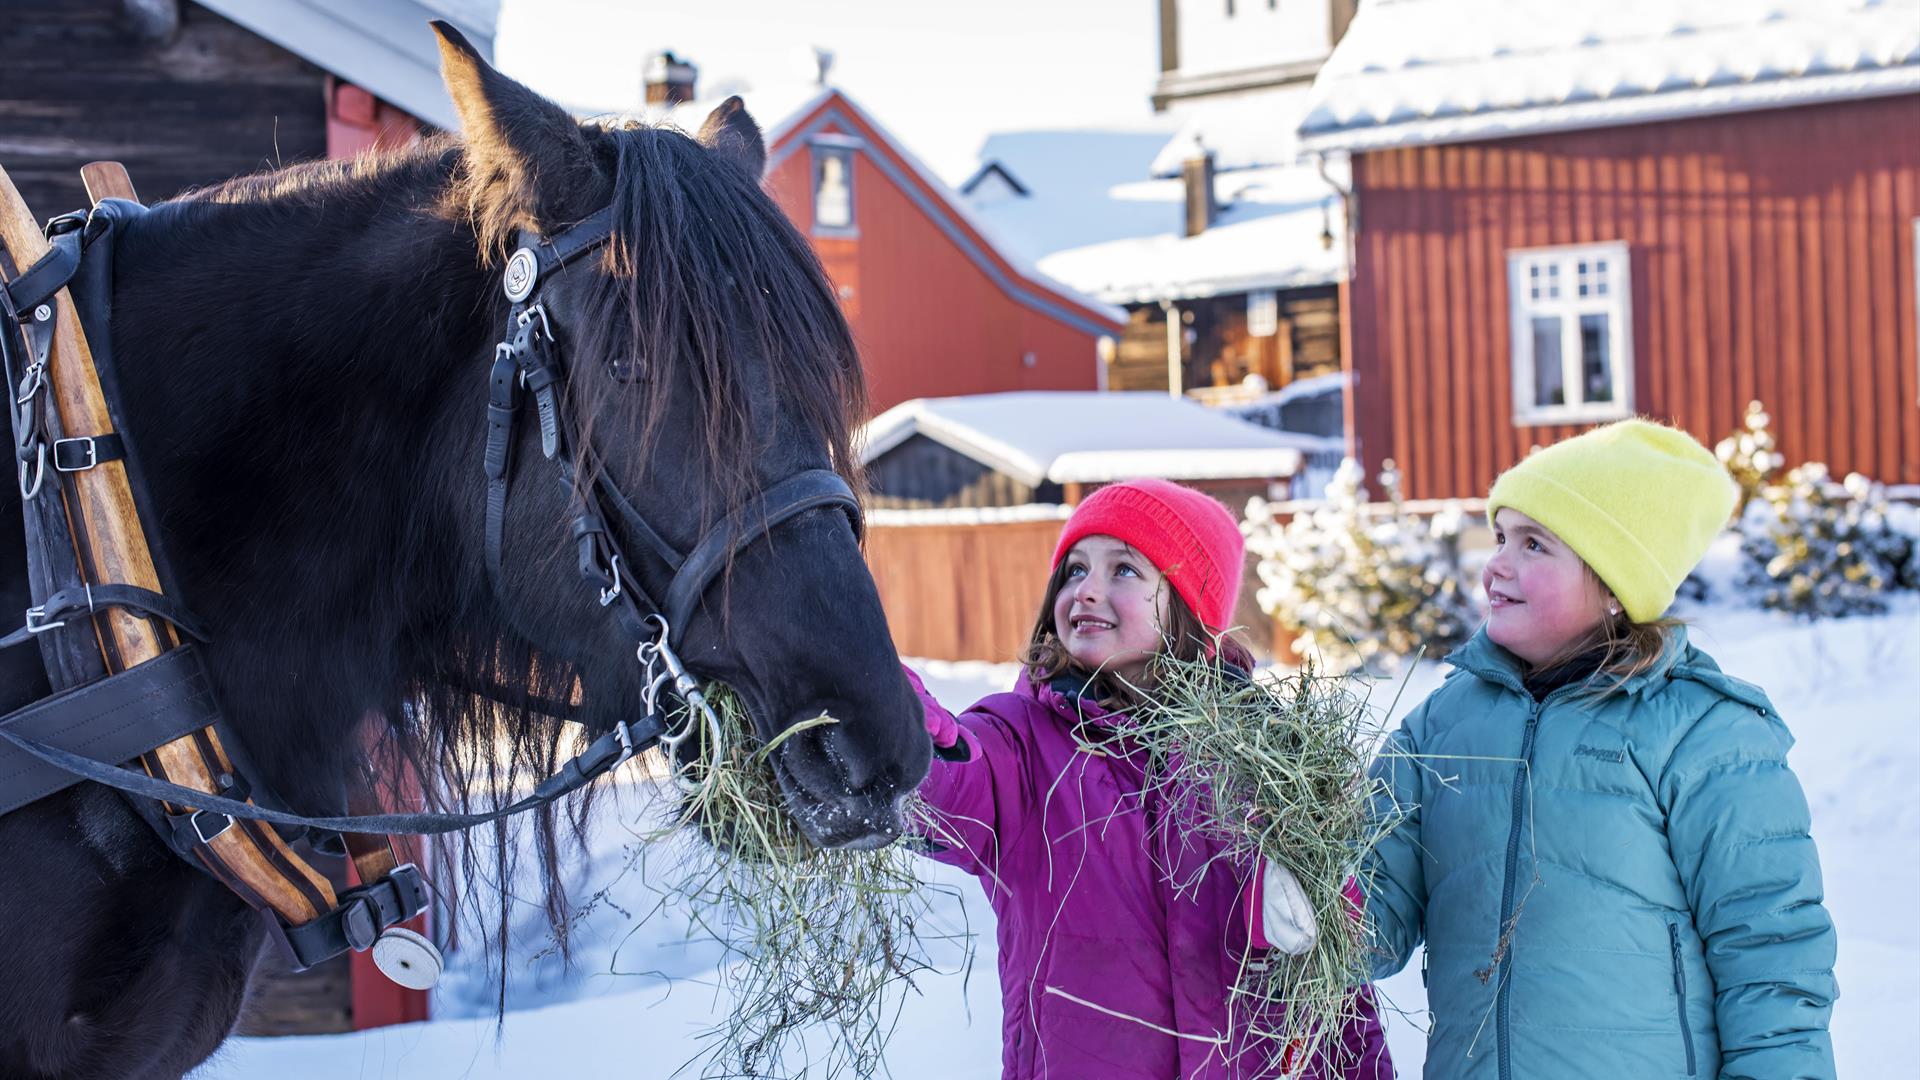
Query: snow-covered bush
pixel 1823 550
pixel 1360 584
pixel 1749 455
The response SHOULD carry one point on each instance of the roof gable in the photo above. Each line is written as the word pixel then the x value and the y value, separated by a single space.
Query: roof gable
pixel 1411 72
pixel 834 112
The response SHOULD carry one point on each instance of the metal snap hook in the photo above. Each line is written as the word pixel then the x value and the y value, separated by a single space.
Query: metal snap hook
pixel 608 594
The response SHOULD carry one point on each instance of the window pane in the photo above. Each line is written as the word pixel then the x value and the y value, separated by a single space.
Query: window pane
pixel 1596 358
pixel 1553 281
pixel 1548 388
pixel 832 191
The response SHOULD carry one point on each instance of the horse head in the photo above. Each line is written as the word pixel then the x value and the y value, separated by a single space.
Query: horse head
pixel 303 363
pixel 706 361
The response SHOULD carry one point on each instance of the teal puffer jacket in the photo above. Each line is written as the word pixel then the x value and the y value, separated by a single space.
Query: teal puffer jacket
pixel 1616 889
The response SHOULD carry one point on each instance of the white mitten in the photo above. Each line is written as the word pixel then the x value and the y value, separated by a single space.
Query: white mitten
pixel 1286 918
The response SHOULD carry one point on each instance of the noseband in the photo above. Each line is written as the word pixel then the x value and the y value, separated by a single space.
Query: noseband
pixel 528 359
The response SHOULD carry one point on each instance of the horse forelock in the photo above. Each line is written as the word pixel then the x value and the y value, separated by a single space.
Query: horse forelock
pixel 705 271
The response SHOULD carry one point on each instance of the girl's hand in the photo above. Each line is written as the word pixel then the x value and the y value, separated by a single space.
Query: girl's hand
pixel 942 728
pixel 1286 918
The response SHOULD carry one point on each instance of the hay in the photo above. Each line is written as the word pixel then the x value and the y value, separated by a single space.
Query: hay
pixel 1276 767
pixel 828 940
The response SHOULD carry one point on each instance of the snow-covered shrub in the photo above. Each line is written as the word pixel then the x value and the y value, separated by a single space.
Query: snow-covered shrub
pixel 1749 455
pixel 1361 585
pixel 1823 550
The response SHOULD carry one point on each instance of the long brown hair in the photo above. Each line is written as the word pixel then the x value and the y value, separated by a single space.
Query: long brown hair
pixel 1627 648
pixel 1183 637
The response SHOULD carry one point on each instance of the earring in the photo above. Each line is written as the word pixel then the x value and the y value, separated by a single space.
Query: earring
pixel 1613 609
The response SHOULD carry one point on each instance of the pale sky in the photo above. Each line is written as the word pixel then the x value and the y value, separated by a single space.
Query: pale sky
pixel 939 76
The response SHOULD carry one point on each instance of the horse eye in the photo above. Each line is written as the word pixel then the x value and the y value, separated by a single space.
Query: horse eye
pixel 626 369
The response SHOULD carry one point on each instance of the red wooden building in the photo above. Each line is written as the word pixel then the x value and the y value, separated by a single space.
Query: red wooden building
pixel 1656 209
pixel 937 306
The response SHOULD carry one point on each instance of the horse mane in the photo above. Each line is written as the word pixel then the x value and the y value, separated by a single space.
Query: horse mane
pixel 704 270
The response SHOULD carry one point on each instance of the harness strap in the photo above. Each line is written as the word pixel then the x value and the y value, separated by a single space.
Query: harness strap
pixel 797 494
pixel 116 718
pixel 89 599
pixel 37 283
pixel 600 756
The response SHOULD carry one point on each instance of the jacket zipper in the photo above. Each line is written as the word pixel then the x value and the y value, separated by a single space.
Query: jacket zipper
pixel 1680 993
pixel 1506 892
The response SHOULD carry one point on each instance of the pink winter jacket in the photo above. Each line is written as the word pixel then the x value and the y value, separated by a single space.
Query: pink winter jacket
pixel 1108 902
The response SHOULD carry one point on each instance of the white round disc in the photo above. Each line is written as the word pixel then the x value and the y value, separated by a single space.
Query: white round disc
pixel 407 958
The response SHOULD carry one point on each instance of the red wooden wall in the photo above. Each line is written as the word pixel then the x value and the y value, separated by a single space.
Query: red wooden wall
pixel 929 320
pixel 1771 253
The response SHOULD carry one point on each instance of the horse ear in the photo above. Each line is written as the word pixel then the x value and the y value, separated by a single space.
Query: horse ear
pixel 522 148
pixel 732 134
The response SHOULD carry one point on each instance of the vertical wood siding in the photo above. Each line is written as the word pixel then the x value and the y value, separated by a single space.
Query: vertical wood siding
pixel 1771 254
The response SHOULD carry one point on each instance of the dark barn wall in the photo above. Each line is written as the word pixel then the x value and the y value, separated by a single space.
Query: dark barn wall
pixel 1772 257
pixel 79 83
pixel 921 474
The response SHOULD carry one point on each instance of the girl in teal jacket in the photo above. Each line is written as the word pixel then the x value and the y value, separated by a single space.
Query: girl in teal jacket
pixel 1599 841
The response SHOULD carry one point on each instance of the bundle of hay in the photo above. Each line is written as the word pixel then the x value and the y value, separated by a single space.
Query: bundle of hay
pixel 817 939
pixel 1276 767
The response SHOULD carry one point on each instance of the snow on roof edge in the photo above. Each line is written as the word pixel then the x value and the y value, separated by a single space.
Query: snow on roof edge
pixel 1613 112
pixel 1107 466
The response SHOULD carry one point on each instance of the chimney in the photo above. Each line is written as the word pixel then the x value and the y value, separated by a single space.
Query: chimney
pixel 668 79
pixel 1197 174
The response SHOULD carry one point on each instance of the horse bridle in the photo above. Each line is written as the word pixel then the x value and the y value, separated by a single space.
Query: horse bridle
pixel 527 358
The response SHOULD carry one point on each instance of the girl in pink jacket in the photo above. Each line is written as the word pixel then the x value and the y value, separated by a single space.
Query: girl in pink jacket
pixel 1121 929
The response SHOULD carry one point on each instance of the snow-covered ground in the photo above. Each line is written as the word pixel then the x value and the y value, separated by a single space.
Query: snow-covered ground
pixel 639 992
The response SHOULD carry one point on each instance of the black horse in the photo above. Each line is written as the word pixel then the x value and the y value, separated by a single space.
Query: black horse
pixel 304 358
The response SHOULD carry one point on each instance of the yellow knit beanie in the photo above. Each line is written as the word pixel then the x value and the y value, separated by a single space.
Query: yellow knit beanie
pixel 1639 502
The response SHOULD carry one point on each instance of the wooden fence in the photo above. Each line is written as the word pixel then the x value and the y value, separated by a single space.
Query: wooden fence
pixel 962 585
pixel 966 584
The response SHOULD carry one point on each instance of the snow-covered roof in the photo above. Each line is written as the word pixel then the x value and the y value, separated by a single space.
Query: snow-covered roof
pixel 382 46
pixel 1070 177
pixel 1244 131
pixel 1426 71
pixel 1271 234
pixel 1069 437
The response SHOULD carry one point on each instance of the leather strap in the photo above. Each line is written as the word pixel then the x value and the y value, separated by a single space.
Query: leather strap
pixel 600 756
pixel 37 284
pixel 356 921
pixel 89 599
pixel 116 718
pixel 785 500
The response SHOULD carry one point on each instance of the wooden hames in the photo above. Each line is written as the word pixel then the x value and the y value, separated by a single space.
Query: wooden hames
pixel 249 857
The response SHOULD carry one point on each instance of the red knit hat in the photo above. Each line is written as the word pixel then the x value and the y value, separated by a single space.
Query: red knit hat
pixel 1187 536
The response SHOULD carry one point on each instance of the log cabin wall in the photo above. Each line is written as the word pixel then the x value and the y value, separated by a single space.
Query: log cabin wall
pixel 1771 257
pixel 81 83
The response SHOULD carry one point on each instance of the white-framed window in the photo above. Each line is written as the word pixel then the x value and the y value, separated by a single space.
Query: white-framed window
pixel 833 186
pixel 1263 313
pixel 1572 333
